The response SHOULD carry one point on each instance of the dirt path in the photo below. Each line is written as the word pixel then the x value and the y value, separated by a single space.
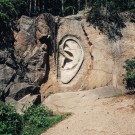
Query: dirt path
pixel 91 115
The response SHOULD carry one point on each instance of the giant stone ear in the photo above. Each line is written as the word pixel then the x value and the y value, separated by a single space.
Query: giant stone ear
pixel 71 56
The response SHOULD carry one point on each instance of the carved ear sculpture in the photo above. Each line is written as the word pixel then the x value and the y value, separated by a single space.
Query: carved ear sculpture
pixel 71 56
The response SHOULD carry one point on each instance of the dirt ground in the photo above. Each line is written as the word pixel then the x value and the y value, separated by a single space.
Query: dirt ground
pixel 92 115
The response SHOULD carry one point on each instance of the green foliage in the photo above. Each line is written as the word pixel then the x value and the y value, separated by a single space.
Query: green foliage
pixel 20 7
pixel 37 115
pixel 105 15
pixel 34 121
pixel 7 15
pixel 70 10
pixel 7 11
pixel 132 10
pixel 38 118
pixel 10 121
pixel 10 10
pixel 130 73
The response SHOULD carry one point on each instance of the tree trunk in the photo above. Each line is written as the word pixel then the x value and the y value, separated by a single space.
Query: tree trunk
pixel 43 6
pixel 30 7
pixel 79 5
pixel 35 5
pixel 73 11
pixel 86 4
pixel 62 7
pixel 106 10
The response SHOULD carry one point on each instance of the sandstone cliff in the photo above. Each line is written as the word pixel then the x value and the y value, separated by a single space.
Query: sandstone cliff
pixel 53 54
pixel 99 63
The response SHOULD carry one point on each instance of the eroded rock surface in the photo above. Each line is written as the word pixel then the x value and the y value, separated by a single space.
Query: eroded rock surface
pixel 24 69
pixel 54 54
pixel 100 65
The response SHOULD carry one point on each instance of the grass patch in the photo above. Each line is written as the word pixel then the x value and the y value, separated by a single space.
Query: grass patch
pixel 37 119
pixel 119 95
pixel 32 129
pixel 34 121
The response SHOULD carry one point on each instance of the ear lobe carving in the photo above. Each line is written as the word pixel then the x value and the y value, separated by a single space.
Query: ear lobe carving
pixel 71 56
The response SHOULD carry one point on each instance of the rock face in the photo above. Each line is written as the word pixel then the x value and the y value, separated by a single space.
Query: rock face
pixel 25 69
pixel 86 58
pixel 53 54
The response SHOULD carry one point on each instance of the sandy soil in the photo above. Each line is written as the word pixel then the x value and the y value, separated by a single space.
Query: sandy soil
pixel 91 115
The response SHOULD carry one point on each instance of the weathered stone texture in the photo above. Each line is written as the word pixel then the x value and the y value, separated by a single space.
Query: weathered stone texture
pixel 103 59
pixel 56 54
pixel 24 69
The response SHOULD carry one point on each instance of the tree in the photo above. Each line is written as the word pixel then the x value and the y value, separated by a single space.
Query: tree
pixel 86 4
pixel 62 7
pixel 79 6
pixel 7 15
pixel 105 14
pixel 7 11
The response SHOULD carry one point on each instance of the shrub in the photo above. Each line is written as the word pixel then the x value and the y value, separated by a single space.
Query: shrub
pixel 10 122
pixel 37 115
pixel 130 73
pixel 38 118
pixel 34 121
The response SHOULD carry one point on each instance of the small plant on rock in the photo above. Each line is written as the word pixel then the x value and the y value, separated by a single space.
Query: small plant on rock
pixel 130 73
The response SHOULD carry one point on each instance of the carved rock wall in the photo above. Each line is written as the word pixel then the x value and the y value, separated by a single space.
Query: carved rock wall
pixel 102 62
pixel 54 54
